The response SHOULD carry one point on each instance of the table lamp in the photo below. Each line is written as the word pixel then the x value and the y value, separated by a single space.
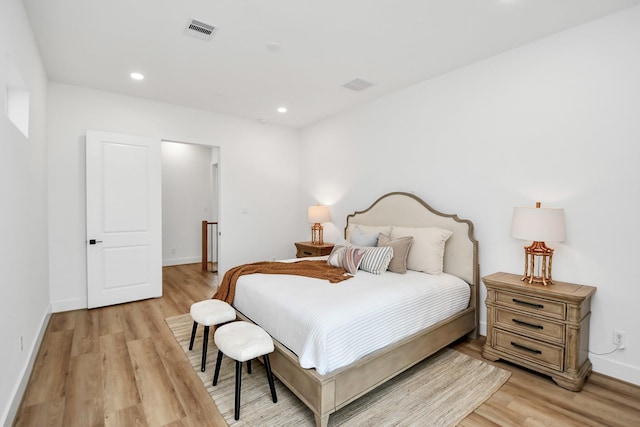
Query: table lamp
pixel 538 225
pixel 317 215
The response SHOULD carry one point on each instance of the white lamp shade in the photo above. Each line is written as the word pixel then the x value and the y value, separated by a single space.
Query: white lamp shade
pixel 318 214
pixel 538 224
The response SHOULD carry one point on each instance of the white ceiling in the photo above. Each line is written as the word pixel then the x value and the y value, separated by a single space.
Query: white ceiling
pixel 322 45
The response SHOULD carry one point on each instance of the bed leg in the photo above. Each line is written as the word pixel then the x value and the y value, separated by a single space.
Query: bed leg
pixel 322 421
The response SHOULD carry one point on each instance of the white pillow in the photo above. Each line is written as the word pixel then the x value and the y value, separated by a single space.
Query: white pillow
pixel 427 251
pixel 369 229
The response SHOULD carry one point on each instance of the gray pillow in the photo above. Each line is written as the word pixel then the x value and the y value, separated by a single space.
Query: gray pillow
pixel 361 238
pixel 401 248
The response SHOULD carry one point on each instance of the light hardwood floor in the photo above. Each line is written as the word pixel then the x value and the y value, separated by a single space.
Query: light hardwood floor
pixel 120 366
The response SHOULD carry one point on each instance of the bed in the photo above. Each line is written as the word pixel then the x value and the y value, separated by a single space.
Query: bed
pixel 325 386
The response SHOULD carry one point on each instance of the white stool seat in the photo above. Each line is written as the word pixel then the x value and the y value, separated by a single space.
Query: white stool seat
pixel 243 341
pixel 212 312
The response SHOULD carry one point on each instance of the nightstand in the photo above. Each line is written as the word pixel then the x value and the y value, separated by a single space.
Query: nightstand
pixel 306 249
pixel 543 328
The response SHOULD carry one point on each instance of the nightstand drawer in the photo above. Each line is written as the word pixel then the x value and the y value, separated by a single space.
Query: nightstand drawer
pixel 531 326
pixel 305 252
pixel 539 306
pixel 544 354
pixel 308 249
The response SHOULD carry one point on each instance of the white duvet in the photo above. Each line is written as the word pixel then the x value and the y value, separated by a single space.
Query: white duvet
pixel 332 325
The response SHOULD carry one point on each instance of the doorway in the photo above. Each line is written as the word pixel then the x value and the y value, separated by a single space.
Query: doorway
pixel 190 194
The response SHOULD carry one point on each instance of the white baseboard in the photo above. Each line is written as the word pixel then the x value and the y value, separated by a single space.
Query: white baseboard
pixel 68 305
pixel 11 410
pixel 180 261
pixel 612 368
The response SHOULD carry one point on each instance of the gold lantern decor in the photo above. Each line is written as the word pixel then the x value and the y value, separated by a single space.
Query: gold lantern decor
pixel 316 215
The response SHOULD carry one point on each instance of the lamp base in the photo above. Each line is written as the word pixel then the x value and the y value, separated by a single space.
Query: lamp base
pixel 316 234
pixel 544 255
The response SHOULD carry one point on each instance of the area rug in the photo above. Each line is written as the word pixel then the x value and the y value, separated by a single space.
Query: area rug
pixel 440 391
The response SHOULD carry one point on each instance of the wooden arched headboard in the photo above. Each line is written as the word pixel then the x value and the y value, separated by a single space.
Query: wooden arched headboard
pixel 408 210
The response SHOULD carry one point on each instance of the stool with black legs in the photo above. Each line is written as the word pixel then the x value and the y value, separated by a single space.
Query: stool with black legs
pixel 243 341
pixel 209 313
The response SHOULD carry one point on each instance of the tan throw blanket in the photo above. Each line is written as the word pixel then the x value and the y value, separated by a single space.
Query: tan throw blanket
pixel 316 269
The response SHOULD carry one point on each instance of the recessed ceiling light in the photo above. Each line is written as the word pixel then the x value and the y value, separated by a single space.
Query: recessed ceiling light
pixel 137 76
pixel 282 110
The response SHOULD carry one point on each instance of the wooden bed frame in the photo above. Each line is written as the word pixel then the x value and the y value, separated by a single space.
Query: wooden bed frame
pixel 325 394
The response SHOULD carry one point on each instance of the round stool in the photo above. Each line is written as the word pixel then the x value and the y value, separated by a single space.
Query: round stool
pixel 243 341
pixel 209 312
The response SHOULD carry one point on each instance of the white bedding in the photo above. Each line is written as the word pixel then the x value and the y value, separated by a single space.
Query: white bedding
pixel 332 325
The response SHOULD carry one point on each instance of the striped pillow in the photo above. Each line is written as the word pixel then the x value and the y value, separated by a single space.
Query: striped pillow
pixel 376 259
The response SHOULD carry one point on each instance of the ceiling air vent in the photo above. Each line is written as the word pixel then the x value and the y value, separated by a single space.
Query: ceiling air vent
pixel 357 84
pixel 197 28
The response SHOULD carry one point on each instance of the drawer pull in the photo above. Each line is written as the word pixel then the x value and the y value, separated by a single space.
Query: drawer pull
pixel 530 325
pixel 527 303
pixel 308 253
pixel 521 347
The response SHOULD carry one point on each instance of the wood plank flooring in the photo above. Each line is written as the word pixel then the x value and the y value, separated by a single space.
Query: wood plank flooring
pixel 120 366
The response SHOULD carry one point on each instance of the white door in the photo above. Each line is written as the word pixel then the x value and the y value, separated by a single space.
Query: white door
pixel 124 218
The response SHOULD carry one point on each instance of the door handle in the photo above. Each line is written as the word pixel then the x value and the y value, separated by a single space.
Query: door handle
pixel 94 241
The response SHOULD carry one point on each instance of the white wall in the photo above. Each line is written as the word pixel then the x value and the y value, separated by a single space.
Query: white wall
pixel 258 175
pixel 186 200
pixel 556 121
pixel 24 306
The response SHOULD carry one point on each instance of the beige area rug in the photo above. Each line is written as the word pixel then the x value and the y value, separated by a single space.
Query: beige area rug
pixel 440 391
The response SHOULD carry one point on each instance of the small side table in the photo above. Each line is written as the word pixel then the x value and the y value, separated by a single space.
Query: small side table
pixel 307 249
pixel 543 328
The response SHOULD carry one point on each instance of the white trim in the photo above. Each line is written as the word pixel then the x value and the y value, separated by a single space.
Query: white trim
pixel 68 305
pixel 612 368
pixel 180 261
pixel 17 393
